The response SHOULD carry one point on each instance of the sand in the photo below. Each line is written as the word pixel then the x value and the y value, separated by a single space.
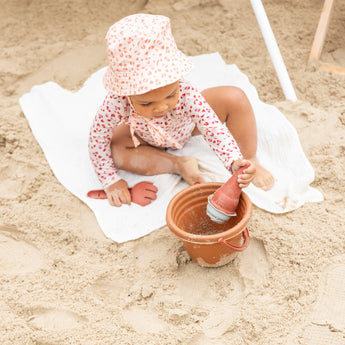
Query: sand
pixel 63 282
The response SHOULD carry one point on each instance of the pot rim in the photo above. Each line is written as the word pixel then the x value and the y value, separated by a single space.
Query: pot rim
pixel 207 239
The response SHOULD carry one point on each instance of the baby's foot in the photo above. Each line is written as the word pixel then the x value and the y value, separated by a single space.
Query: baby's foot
pixel 188 168
pixel 263 178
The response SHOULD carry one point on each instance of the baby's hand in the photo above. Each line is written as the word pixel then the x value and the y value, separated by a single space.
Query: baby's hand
pixel 248 174
pixel 118 193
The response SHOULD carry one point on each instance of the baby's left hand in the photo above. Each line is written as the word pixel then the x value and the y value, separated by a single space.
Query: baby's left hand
pixel 248 174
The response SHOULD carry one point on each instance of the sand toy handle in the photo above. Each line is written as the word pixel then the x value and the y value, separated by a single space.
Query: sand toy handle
pixel 246 237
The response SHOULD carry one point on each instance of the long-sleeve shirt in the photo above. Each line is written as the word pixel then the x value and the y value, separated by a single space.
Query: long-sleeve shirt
pixel 173 130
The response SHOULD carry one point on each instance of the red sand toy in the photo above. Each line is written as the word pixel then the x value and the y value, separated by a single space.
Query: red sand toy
pixel 223 202
pixel 143 193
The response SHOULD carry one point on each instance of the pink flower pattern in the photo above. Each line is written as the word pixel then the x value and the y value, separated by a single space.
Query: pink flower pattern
pixel 171 131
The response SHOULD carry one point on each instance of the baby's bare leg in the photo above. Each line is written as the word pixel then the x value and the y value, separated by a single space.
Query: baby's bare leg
pixel 233 107
pixel 148 160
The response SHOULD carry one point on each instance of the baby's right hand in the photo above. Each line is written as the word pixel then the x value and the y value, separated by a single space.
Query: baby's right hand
pixel 118 193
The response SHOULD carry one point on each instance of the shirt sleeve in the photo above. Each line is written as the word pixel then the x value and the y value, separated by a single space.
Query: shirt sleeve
pixel 214 132
pixel 107 118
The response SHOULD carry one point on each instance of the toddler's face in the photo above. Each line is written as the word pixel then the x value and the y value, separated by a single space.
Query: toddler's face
pixel 158 102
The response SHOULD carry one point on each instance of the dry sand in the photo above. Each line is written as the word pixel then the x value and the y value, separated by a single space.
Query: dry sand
pixel 63 282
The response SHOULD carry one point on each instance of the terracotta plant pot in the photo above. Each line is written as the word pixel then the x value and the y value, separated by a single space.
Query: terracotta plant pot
pixel 208 243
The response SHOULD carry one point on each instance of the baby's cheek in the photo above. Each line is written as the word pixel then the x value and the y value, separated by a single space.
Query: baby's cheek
pixel 173 103
pixel 144 111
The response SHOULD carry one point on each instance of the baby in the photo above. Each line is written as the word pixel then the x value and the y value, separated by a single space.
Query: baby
pixel 150 107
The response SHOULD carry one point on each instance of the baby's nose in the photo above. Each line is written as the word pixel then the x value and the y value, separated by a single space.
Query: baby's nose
pixel 161 107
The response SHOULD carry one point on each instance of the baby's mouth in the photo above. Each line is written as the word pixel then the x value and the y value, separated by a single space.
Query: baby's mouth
pixel 159 115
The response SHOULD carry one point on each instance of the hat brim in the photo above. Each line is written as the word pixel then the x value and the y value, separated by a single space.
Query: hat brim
pixel 161 73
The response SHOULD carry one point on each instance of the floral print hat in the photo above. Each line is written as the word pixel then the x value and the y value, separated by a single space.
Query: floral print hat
pixel 143 55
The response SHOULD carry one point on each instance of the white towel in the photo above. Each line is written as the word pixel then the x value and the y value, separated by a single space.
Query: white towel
pixel 60 121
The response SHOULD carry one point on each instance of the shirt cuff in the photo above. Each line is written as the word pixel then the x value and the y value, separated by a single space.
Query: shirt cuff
pixel 111 180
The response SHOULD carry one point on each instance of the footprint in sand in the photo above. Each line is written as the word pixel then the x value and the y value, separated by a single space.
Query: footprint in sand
pixel 144 321
pixel 201 287
pixel 14 179
pixel 327 321
pixel 55 319
pixel 159 245
pixel 26 259
pixel 253 267
pixel 253 263
pixel 111 290
pixel 218 292
pixel 10 186
pixel 221 294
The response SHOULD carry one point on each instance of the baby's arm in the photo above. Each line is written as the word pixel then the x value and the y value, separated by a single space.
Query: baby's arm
pixel 216 134
pixel 106 119
pixel 218 137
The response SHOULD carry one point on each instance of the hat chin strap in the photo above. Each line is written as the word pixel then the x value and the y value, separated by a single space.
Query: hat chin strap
pixel 159 135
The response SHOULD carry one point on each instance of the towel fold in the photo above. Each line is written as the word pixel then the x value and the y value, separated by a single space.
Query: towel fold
pixel 60 121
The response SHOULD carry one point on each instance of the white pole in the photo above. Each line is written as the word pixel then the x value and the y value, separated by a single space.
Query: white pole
pixel 273 50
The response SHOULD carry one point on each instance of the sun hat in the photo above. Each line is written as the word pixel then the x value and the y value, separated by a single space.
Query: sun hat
pixel 142 55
